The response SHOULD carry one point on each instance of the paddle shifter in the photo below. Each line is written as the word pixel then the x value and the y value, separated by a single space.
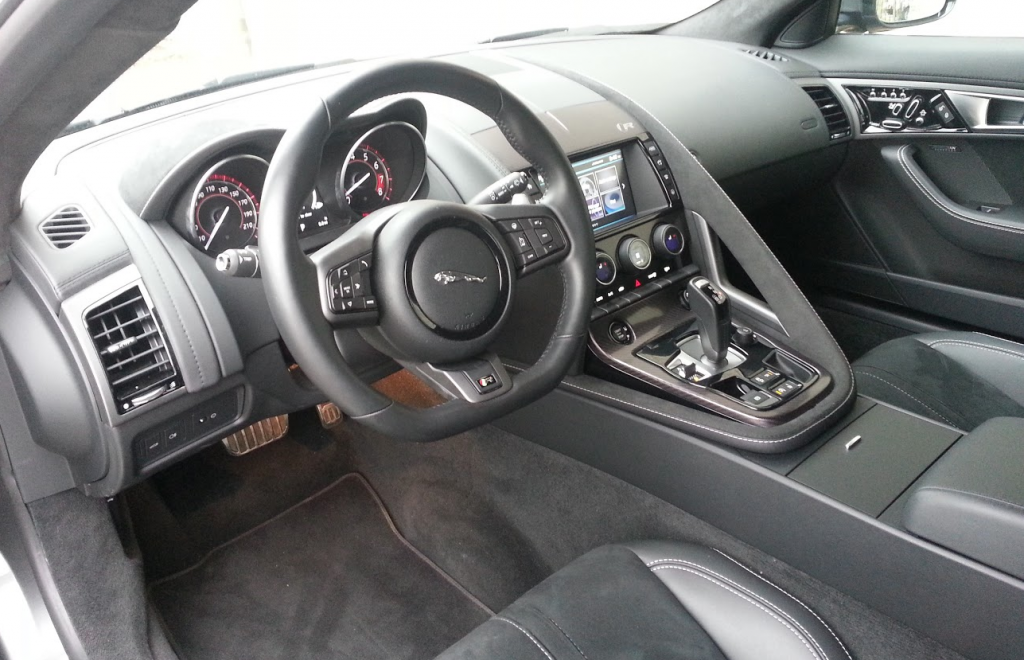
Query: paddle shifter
pixel 714 320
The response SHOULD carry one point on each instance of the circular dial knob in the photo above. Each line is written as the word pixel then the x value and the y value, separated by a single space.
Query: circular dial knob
pixel 634 253
pixel 606 269
pixel 667 240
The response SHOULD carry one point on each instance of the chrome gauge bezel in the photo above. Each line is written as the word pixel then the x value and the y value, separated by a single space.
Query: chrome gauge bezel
pixel 418 156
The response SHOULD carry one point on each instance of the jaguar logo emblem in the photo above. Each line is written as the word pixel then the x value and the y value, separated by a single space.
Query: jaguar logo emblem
pixel 447 277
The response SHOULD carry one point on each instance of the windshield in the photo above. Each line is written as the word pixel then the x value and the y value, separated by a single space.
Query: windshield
pixel 224 42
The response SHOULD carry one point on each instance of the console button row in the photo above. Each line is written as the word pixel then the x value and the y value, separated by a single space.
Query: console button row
pixel 661 165
pixel 349 288
pixel 199 423
pixel 630 297
pixel 531 239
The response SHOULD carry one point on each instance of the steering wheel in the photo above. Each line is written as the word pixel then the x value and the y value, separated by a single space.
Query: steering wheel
pixel 430 284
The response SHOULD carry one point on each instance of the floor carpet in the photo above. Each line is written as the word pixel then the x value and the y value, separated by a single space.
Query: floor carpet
pixel 328 578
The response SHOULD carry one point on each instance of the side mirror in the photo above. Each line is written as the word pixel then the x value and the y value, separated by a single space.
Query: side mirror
pixel 904 13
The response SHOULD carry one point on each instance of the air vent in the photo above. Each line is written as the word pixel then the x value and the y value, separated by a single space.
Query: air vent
pixel 65 227
pixel 765 54
pixel 832 110
pixel 131 346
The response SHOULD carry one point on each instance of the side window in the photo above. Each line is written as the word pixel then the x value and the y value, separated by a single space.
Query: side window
pixel 952 18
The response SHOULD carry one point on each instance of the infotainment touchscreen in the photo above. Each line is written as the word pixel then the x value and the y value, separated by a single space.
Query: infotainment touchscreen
pixel 606 189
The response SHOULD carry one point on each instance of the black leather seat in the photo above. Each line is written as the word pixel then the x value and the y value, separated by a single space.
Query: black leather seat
pixel 653 600
pixel 958 378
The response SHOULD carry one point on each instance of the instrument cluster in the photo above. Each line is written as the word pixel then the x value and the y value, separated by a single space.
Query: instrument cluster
pixel 360 173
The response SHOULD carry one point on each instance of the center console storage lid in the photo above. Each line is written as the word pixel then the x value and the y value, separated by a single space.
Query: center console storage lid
pixel 972 500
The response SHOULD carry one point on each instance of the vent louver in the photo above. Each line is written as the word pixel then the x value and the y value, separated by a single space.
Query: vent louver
pixel 765 54
pixel 831 110
pixel 65 227
pixel 131 346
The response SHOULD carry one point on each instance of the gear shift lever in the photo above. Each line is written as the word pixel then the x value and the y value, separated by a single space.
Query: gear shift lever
pixel 714 319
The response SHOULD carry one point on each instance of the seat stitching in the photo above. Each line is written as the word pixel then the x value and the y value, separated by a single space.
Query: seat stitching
pixel 802 604
pixel 980 347
pixel 571 641
pixel 803 641
pixel 750 593
pixel 695 424
pixel 879 378
pixel 527 633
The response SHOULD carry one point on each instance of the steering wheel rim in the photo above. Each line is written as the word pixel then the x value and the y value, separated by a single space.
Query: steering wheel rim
pixel 293 280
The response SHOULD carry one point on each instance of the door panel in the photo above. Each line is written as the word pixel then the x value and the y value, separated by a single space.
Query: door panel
pixel 930 222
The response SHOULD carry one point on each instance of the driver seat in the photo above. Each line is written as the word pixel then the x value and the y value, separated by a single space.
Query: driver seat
pixel 654 600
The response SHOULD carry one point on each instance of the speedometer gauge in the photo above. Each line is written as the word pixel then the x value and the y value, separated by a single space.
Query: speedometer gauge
pixel 225 214
pixel 225 205
pixel 366 180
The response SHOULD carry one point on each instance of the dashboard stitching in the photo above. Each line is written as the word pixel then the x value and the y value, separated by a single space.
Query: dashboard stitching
pixel 902 155
pixel 682 420
pixel 750 592
pixel 800 637
pixel 177 313
pixel 800 602
pixel 60 286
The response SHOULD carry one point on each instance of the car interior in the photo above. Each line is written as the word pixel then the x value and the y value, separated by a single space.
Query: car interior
pixel 701 340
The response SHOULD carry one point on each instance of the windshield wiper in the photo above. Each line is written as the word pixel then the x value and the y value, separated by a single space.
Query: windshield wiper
pixel 529 34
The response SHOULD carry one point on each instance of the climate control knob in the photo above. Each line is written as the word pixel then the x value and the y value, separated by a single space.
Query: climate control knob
pixel 606 269
pixel 635 253
pixel 667 240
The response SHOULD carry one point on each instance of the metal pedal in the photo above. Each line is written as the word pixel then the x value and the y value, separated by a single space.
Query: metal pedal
pixel 256 435
pixel 330 415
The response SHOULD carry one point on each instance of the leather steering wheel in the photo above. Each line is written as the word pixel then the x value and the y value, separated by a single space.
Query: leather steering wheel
pixel 430 284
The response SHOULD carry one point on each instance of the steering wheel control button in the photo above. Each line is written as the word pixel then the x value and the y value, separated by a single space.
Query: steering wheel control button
pixel 786 389
pixel 765 378
pixel 621 333
pixel 667 240
pixel 454 281
pixel 510 226
pixel 635 252
pixel 606 270
pixel 759 400
pixel 348 287
pixel 520 242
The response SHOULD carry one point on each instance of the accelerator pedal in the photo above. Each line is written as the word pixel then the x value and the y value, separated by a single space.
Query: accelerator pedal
pixel 330 415
pixel 256 435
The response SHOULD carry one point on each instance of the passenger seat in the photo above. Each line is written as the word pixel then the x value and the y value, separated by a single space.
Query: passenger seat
pixel 958 378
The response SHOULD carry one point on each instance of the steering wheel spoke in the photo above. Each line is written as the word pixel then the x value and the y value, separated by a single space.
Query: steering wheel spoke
pixel 532 232
pixel 344 273
pixel 481 378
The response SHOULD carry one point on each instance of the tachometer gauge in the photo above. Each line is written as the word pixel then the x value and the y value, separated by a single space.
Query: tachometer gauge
pixel 225 205
pixel 366 180
pixel 225 214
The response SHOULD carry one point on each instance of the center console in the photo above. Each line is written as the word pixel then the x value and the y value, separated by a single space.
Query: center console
pixel 661 324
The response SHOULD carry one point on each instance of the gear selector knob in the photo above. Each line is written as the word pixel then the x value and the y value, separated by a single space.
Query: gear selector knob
pixel 714 318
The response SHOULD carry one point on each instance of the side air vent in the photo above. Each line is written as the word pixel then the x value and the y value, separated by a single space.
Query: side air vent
pixel 65 227
pixel 139 367
pixel 765 54
pixel 831 110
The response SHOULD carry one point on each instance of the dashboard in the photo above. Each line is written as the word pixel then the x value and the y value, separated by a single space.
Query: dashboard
pixel 167 191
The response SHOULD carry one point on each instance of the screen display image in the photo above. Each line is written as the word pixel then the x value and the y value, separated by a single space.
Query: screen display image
pixel 606 189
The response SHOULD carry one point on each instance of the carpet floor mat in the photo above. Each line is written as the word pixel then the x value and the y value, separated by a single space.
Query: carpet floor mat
pixel 329 578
